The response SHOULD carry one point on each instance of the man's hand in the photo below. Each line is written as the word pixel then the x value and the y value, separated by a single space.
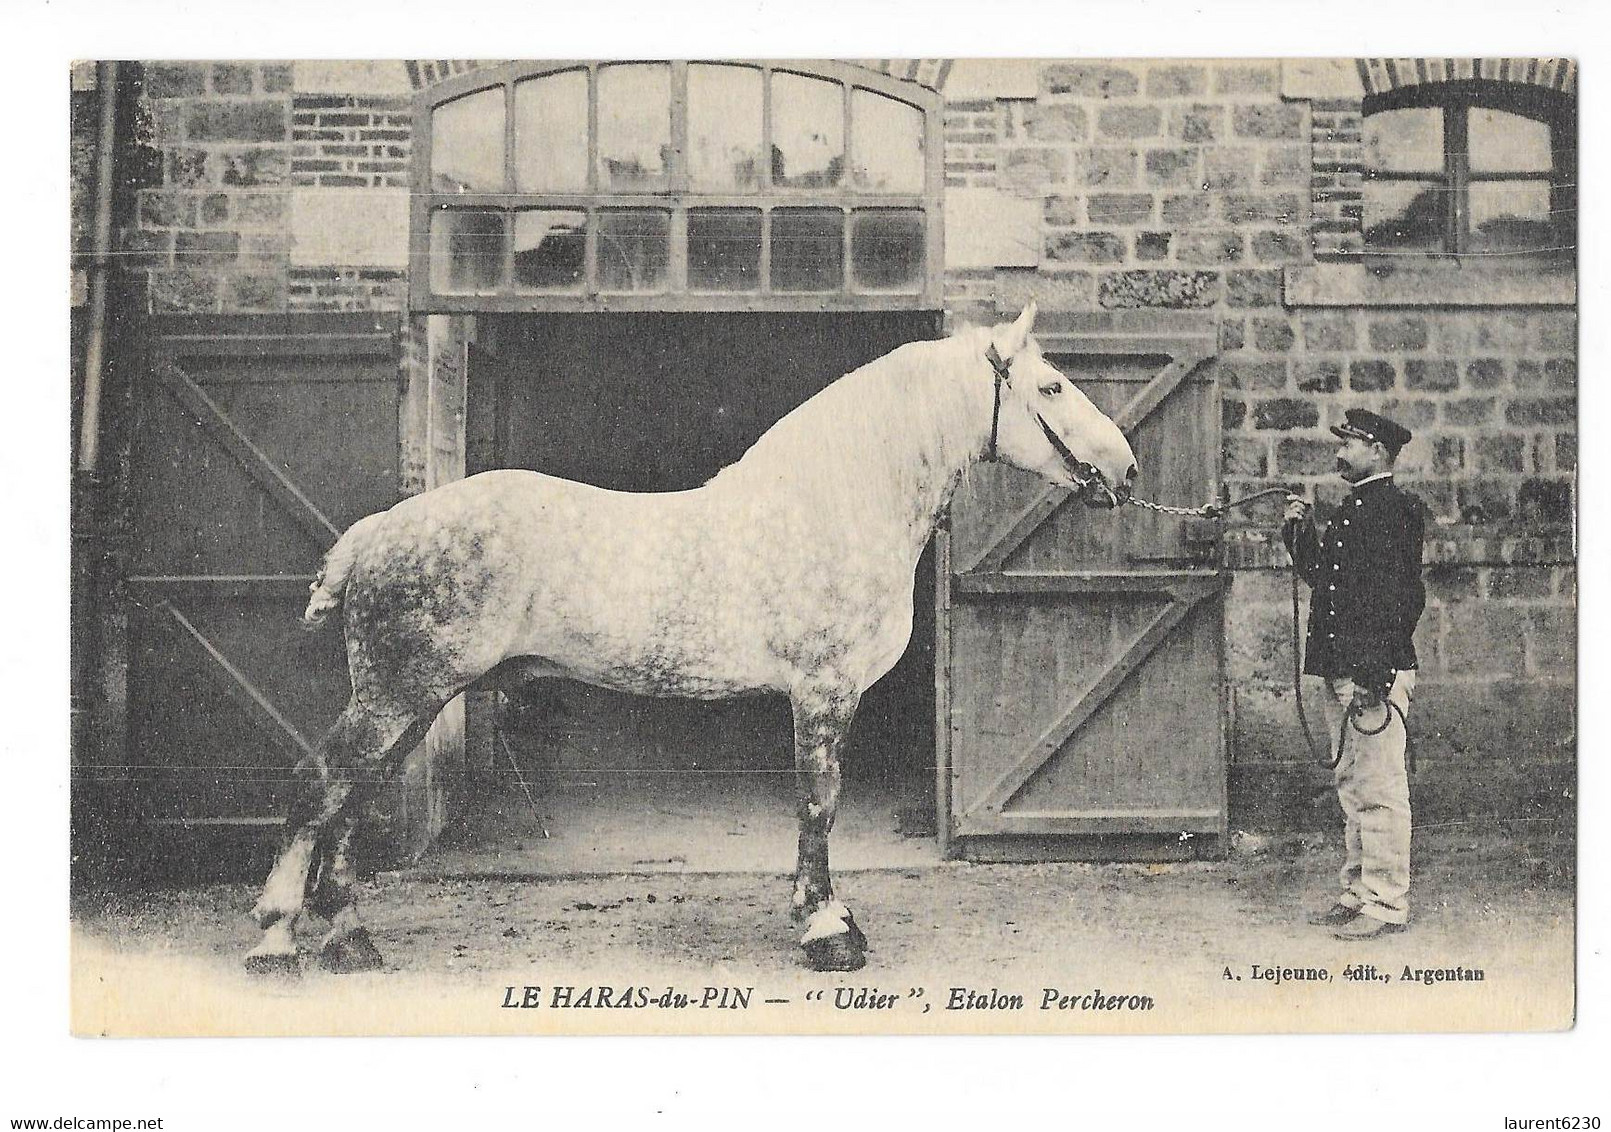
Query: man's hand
pixel 1297 509
pixel 1366 698
pixel 1371 687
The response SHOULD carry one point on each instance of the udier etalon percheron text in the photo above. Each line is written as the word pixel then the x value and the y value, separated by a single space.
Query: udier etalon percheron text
pixel 790 571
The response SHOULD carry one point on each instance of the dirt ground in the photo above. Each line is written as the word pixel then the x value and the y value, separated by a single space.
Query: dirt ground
pixel 1192 938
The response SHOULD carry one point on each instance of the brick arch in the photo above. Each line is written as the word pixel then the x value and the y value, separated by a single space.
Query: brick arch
pixel 424 73
pixel 931 73
pixel 1379 76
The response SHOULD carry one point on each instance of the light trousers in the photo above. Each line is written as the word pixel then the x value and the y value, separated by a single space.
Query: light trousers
pixel 1373 786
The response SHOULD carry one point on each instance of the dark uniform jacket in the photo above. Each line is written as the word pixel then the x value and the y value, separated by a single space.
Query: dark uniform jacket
pixel 1365 574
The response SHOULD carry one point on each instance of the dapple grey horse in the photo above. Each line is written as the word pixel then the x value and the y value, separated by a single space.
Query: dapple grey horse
pixel 790 572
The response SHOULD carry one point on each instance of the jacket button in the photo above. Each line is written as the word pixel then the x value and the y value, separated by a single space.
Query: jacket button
pixel 1331 587
pixel 1359 503
pixel 1335 566
pixel 1331 636
pixel 1345 522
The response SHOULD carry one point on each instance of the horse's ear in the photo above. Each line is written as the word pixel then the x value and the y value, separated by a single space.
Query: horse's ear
pixel 1012 340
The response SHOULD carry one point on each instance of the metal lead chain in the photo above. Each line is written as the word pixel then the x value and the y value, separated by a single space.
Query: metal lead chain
pixel 1205 510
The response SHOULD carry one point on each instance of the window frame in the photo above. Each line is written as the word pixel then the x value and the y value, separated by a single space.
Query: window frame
pixel 1454 99
pixel 678 198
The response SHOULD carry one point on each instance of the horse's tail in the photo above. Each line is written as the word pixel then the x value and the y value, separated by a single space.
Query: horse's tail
pixel 331 581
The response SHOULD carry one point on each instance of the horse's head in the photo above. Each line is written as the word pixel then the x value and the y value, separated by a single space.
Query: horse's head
pixel 1045 425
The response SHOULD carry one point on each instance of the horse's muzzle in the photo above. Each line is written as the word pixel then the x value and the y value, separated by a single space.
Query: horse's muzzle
pixel 1098 493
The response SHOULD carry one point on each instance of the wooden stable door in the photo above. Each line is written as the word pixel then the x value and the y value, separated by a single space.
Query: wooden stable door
pixel 1080 687
pixel 259 439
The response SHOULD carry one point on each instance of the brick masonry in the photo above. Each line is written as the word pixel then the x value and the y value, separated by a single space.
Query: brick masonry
pixel 346 288
pixel 351 141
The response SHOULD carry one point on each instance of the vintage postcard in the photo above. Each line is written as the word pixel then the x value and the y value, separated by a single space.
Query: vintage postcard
pixel 897 546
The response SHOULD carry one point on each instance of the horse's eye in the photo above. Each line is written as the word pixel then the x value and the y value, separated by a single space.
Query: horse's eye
pixel 1051 389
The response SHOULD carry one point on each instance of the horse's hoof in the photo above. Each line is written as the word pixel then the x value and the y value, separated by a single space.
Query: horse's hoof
pixel 844 952
pixel 353 952
pixel 273 966
pixel 858 938
pixel 832 941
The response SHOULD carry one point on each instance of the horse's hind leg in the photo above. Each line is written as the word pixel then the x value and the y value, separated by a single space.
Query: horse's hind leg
pixel 356 748
pixel 279 907
pixel 347 947
pixel 822 716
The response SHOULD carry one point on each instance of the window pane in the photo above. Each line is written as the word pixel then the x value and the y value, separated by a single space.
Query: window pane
pixel 808 132
pixel 1508 143
pixel 888 141
pixel 550 250
pixel 551 134
pixel 1510 216
pixel 724 128
pixel 808 249
pixel 1405 141
pixel 634 248
pixel 467 144
pixel 1404 215
pixel 724 249
pixel 886 249
pixel 466 251
pixel 634 126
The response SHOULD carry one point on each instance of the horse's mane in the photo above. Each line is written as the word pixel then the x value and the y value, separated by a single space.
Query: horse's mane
pixel 880 434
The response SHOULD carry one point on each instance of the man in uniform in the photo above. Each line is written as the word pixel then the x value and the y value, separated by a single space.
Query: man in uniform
pixel 1364 572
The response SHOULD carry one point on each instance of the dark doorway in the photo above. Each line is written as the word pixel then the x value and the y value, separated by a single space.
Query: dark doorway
pixel 661 402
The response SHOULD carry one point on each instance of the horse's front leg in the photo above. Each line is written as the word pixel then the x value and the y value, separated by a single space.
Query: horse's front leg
pixel 822 715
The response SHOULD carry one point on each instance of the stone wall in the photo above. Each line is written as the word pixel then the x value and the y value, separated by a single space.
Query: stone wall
pixel 1160 185
pixel 274 186
pixel 1236 187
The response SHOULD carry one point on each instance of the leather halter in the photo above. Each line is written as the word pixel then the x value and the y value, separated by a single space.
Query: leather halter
pixel 1082 472
pixel 1002 377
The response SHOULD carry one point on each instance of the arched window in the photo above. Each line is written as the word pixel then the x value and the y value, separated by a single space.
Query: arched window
pixel 1471 167
pixel 671 185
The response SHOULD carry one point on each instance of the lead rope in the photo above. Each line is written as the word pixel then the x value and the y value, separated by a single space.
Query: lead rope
pixel 1350 716
pixel 1325 759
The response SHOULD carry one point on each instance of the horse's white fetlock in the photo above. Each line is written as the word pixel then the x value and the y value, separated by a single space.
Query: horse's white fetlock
pixel 278 942
pixel 831 919
pixel 282 892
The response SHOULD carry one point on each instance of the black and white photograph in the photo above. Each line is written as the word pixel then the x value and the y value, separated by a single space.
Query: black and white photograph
pixel 757 546
pixel 762 563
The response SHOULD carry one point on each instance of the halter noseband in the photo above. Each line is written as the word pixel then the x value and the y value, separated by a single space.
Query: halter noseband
pixel 1082 472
